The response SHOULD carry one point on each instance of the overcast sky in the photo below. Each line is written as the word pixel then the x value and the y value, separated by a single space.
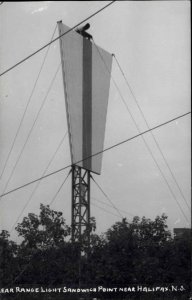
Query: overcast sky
pixel 151 40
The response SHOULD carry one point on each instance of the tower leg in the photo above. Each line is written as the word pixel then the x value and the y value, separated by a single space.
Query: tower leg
pixel 81 206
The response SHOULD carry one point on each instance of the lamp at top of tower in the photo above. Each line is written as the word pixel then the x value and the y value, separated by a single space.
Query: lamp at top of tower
pixel 82 30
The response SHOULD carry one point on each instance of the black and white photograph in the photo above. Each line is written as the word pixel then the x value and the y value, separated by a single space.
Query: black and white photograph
pixel 95 150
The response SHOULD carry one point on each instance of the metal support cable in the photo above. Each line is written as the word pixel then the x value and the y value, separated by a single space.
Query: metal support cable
pixel 107 211
pixel 38 182
pixel 107 197
pixel 109 205
pixel 148 148
pixel 29 134
pixel 26 108
pixel 46 45
pixel 55 196
pixel 147 124
pixel 95 154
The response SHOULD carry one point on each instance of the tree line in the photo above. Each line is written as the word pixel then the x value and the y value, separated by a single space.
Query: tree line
pixel 142 251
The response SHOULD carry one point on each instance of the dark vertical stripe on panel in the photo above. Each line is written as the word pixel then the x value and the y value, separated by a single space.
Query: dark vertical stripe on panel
pixel 87 102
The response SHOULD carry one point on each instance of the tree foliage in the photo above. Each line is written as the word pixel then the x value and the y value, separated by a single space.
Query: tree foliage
pixel 43 231
pixel 8 254
pixel 138 252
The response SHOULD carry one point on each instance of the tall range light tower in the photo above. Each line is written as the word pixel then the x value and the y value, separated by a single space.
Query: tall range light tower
pixel 86 72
